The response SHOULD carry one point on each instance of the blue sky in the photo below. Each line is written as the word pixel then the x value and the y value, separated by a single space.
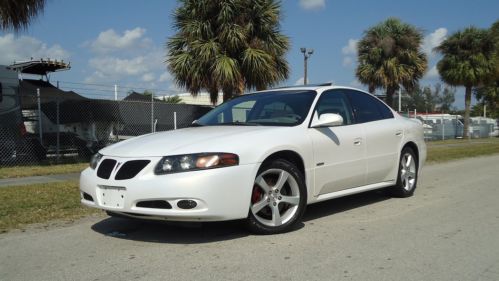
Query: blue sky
pixel 122 42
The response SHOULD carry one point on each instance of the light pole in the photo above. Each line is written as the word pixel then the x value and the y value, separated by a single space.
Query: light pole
pixel 306 54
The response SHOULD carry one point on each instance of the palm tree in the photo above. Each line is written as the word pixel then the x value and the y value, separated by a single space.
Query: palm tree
pixel 390 55
pixel 227 45
pixel 467 61
pixel 17 14
pixel 173 99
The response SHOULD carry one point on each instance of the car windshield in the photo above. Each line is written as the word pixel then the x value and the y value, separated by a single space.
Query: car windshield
pixel 276 108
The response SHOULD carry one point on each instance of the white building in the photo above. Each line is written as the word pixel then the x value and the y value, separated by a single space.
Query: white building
pixel 202 98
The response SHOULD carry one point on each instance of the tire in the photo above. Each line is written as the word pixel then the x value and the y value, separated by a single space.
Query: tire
pixel 278 199
pixel 407 178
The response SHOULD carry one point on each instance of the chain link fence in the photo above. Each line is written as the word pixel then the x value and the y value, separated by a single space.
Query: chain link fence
pixel 447 126
pixel 47 125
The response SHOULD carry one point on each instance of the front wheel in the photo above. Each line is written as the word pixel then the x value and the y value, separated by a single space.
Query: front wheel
pixel 278 199
pixel 407 178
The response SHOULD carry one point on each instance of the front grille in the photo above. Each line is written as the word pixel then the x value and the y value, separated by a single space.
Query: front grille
pixel 154 204
pixel 106 168
pixel 130 169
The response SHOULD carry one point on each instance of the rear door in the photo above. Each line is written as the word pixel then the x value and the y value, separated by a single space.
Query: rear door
pixel 383 136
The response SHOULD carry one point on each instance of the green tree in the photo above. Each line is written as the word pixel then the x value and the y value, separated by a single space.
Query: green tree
pixel 428 99
pixel 488 94
pixel 17 14
pixel 466 61
pixel 227 45
pixel 173 99
pixel 390 55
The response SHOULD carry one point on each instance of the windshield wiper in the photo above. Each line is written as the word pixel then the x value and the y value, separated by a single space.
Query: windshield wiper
pixel 237 123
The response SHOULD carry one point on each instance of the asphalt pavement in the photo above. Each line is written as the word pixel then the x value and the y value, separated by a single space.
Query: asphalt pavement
pixel 449 230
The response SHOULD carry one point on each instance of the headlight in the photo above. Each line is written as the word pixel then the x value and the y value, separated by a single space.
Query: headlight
pixel 94 161
pixel 194 162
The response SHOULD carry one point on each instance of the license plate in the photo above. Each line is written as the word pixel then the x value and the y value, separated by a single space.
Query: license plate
pixel 112 196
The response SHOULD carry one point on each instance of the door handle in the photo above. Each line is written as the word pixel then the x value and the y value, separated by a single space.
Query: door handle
pixel 357 141
pixel 398 133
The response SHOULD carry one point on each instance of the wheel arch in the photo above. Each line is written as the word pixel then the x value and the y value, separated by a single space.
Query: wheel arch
pixel 414 148
pixel 288 155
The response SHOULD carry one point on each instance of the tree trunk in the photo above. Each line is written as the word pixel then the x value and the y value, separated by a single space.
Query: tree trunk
pixel 467 107
pixel 228 93
pixel 213 95
pixel 389 96
pixel 372 88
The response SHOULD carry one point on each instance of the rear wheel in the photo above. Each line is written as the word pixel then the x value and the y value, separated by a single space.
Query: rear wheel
pixel 278 199
pixel 407 175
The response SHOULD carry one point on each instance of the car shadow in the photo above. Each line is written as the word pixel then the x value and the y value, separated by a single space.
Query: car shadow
pixel 170 232
pixel 198 233
pixel 343 204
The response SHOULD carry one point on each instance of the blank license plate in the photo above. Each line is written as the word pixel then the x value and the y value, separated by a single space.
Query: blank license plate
pixel 112 196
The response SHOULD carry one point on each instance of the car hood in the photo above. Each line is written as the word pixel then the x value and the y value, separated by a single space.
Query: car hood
pixel 189 140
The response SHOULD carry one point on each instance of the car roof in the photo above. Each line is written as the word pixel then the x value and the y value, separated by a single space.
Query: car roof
pixel 315 87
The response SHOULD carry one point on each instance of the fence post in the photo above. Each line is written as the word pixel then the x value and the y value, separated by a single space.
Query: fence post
pixel 40 133
pixel 443 127
pixel 57 144
pixel 174 120
pixel 152 113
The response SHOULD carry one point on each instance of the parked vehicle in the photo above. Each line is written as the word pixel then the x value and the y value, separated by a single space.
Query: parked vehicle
pixel 261 157
pixel 11 123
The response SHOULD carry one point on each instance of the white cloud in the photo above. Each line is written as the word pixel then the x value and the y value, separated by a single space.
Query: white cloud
pixel 433 40
pixel 165 76
pixel 109 40
pixel 432 73
pixel 117 66
pixel 349 52
pixel 313 4
pixel 299 81
pixel 21 48
pixel 347 61
pixel 134 57
pixel 148 77
pixel 356 84
pixel 350 48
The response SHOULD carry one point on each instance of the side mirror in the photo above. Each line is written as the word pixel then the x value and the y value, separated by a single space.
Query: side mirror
pixel 327 120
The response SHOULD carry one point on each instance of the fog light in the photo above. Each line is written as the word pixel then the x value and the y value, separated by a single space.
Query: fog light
pixel 187 204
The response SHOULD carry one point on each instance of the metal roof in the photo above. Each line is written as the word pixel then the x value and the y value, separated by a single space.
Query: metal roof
pixel 40 67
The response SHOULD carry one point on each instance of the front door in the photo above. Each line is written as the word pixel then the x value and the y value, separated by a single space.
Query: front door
pixel 339 151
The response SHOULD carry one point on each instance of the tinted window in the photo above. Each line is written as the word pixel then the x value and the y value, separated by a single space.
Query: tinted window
pixel 335 101
pixel 367 108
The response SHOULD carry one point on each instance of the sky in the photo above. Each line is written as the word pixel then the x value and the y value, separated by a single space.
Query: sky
pixel 123 42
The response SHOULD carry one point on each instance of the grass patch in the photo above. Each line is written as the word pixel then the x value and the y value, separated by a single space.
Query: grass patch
pixel 442 151
pixel 39 170
pixel 39 203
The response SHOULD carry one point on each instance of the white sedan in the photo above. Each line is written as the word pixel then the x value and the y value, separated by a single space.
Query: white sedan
pixel 262 157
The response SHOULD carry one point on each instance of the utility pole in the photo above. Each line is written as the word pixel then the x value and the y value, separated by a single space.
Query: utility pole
pixel 306 54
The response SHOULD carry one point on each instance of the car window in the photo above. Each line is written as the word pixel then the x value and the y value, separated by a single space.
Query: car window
pixel 335 101
pixel 367 108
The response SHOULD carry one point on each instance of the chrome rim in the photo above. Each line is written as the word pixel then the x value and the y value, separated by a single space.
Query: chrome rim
pixel 275 197
pixel 408 171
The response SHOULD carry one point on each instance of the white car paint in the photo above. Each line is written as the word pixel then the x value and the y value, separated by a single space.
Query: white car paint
pixel 337 161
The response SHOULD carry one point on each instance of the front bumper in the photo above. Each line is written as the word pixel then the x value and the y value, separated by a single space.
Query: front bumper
pixel 220 194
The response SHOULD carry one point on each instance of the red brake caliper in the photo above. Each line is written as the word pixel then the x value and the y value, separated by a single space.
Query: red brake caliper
pixel 256 196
